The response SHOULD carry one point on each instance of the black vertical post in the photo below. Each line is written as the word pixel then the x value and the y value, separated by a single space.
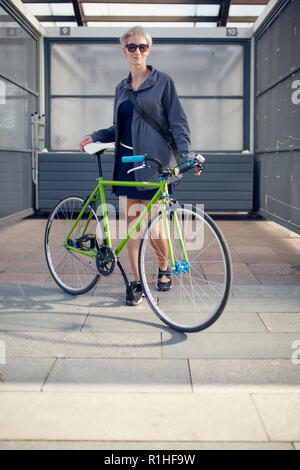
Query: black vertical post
pixel 99 163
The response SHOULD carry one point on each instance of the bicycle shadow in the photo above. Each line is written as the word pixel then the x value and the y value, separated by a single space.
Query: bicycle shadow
pixel 33 308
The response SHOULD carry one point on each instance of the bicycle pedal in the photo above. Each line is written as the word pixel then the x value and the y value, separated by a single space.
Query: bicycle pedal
pixel 81 242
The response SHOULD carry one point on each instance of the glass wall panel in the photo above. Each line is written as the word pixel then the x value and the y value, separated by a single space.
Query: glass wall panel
pixel 204 74
pixel 71 118
pixel 196 68
pixel 201 69
pixel 215 124
pixel 16 107
pixel 18 100
pixel 86 69
pixel 18 52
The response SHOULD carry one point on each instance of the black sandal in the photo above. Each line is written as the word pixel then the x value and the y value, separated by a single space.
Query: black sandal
pixel 163 286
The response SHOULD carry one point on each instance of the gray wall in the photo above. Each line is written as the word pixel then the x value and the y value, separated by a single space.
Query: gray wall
pixel 225 185
pixel 15 183
pixel 277 141
pixel 18 100
pixel 212 80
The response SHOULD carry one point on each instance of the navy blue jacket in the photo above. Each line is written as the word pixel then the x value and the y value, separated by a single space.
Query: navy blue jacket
pixel 158 97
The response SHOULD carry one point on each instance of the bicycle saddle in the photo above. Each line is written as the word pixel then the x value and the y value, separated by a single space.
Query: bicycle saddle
pixel 95 147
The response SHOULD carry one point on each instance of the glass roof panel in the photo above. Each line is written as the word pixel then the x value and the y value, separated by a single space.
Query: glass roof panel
pixel 207 10
pixel 231 24
pixel 145 9
pixel 49 24
pixel 41 9
pixel 246 10
pixel 148 9
pixel 147 25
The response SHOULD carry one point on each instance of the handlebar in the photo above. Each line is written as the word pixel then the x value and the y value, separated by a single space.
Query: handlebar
pixel 196 162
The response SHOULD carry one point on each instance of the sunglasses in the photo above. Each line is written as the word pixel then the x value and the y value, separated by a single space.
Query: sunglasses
pixel 133 47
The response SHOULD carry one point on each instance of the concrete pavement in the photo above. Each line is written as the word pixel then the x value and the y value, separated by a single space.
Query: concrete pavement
pixel 89 372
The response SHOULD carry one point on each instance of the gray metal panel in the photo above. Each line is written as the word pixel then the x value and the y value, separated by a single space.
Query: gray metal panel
pixel 279 116
pixel 277 50
pixel 226 184
pixel 277 162
pixel 15 182
pixel 64 174
pixel 278 187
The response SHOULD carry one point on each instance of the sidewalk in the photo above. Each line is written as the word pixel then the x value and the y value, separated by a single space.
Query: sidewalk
pixel 88 372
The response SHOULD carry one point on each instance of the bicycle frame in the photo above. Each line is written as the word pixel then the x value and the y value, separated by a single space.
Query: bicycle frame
pixel 99 195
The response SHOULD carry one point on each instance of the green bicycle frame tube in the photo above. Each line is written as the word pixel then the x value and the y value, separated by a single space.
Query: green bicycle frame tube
pixel 93 196
pixel 178 230
pixel 162 188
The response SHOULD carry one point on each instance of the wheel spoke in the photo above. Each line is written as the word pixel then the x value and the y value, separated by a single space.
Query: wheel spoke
pixel 73 271
pixel 198 296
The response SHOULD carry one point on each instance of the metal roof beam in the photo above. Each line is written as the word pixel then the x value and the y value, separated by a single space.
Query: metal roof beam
pixel 147 19
pixel 78 12
pixel 46 1
pixel 249 2
pixel 178 2
pixel 156 19
pixel 55 18
pixel 242 19
pixel 223 13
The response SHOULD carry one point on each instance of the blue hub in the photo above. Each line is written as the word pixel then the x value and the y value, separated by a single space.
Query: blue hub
pixel 182 268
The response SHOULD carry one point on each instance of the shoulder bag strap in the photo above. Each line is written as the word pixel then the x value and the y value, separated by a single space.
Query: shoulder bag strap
pixel 168 137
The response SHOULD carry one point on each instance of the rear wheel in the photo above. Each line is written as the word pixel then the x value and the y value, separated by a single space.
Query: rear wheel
pixel 74 271
pixel 201 274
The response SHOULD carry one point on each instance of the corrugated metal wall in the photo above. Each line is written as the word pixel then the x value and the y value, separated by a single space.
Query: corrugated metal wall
pixel 15 184
pixel 277 142
pixel 19 99
pixel 226 184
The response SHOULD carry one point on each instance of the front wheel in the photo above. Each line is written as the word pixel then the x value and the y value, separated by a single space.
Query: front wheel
pixel 191 245
pixel 74 270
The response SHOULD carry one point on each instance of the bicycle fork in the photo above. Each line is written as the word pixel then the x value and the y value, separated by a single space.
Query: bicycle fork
pixel 182 266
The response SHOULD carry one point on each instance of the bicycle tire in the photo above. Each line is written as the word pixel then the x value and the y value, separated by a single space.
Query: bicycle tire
pixel 198 297
pixel 75 273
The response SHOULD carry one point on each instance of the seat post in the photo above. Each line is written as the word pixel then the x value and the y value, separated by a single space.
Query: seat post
pixel 99 163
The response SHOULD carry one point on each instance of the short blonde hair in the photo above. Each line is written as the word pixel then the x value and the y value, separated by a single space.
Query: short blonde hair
pixel 133 31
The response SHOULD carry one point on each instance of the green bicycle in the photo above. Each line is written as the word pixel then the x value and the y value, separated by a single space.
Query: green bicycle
pixel 79 252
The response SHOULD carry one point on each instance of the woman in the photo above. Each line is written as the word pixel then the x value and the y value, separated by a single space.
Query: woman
pixel 156 94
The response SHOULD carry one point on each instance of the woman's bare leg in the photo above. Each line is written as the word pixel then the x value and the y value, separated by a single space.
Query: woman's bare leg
pixel 132 209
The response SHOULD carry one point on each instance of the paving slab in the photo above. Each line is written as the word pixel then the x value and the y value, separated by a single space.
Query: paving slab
pixel 263 304
pixel 281 322
pixel 280 414
pixel 63 318
pixel 232 346
pixel 129 319
pixel 284 291
pixel 27 294
pixel 123 319
pixel 24 374
pixel 116 417
pixel 90 368
pixel 120 375
pixel 62 344
pixel 230 322
pixel 244 375
pixel 144 445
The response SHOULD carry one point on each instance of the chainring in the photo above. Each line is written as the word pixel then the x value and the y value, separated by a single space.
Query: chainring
pixel 105 260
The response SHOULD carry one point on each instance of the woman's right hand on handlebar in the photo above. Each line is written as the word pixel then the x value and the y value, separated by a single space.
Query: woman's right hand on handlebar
pixel 87 139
